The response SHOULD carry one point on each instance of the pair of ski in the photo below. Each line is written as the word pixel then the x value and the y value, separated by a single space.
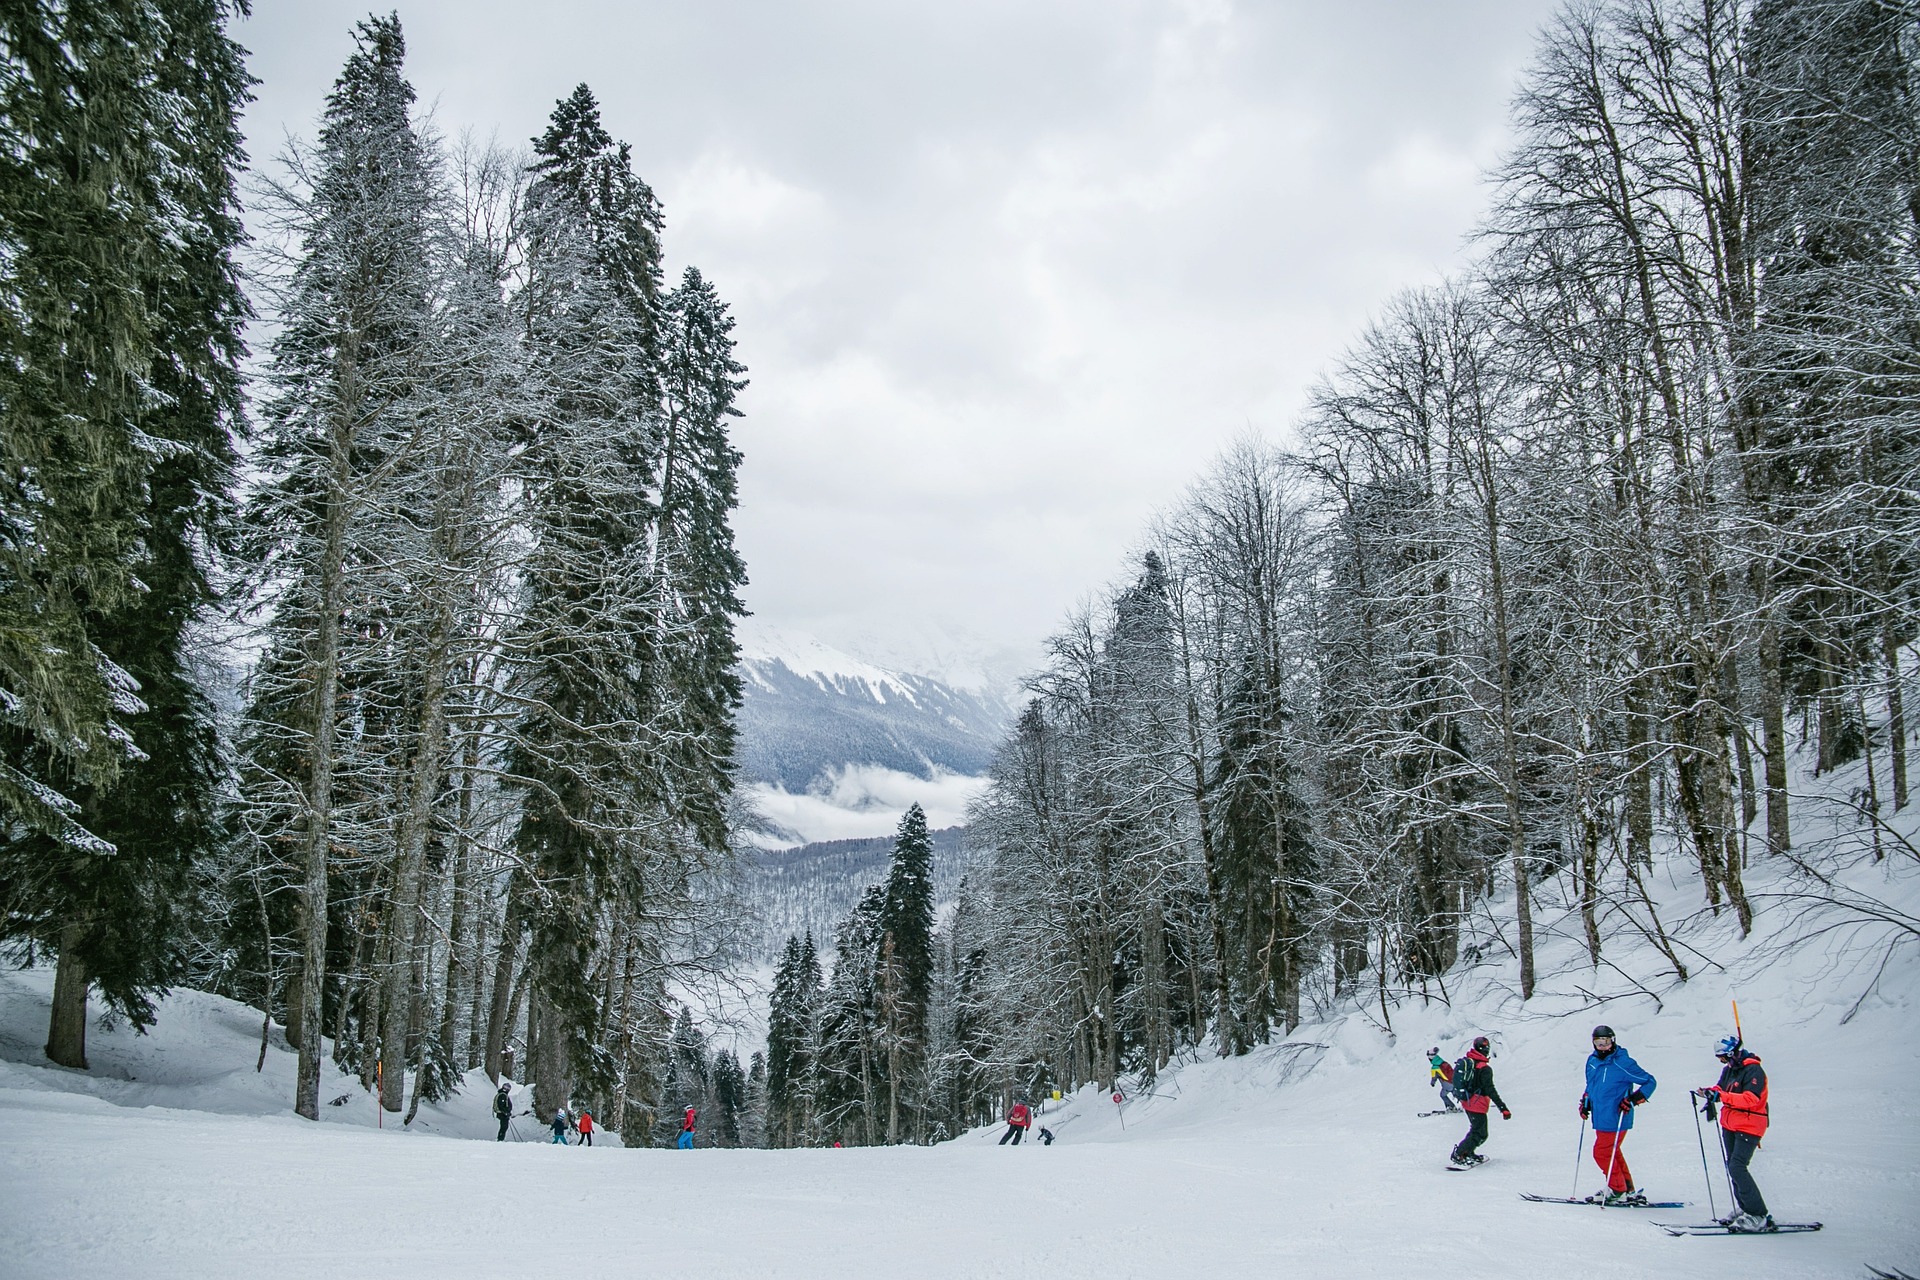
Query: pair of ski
pixel 1441 1111
pixel 1637 1204
pixel 1680 1228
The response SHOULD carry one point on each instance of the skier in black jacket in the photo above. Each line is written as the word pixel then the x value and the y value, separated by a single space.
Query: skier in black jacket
pixel 1479 1093
pixel 503 1108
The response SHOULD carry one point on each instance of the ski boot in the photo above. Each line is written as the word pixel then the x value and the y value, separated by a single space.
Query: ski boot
pixel 1752 1224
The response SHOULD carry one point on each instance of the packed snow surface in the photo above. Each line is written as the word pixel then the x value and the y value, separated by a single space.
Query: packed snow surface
pixel 171 1156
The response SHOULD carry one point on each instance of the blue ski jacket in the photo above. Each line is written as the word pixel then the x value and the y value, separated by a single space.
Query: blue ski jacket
pixel 1609 1081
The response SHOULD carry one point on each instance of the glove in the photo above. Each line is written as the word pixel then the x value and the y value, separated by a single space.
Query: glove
pixel 1505 1114
pixel 1712 1092
pixel 1626 1105
pixel 1586 1108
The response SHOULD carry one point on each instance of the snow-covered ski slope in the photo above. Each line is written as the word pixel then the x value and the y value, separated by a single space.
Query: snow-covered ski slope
pixel 173 1158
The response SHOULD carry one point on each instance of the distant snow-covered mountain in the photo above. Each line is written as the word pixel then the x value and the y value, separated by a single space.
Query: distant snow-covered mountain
pixel 817 722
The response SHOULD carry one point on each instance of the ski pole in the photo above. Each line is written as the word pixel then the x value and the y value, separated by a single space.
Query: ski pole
pixel 1579 1148
pixel 1704 1171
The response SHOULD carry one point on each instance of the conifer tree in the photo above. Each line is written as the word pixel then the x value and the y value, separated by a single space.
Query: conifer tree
pixel 129 184
pixel 905 979
pixel 586 653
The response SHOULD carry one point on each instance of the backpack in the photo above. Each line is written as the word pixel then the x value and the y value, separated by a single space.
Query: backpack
pixel 1465 1076
pixel 1446 1072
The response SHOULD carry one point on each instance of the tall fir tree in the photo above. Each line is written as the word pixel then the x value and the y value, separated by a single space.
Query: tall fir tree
pixel 587 660
pixel 122 403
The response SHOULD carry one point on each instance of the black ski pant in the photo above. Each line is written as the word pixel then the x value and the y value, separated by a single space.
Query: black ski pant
pixel 1476 1134
pixel 504 1122
pixel 586 1137
pixel 1739 1148
pixel 1013 1134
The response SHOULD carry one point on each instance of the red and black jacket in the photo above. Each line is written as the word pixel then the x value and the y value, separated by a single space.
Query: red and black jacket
pixel 1743 1095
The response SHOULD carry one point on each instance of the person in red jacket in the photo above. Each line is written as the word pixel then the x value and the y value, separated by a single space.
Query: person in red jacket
pixel 1741 1100
pixel 585 1125
pixel 1017 1121
pixel 1480 1094
pixel 686 1131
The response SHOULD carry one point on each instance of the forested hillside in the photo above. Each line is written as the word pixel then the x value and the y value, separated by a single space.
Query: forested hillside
pixel 806 891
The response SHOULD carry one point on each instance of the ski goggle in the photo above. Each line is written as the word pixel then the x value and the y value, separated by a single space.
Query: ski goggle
pixel 1603 1039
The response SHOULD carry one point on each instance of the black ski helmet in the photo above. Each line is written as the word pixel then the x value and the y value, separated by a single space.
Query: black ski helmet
pixel 1482 1043
pixel 1603 1030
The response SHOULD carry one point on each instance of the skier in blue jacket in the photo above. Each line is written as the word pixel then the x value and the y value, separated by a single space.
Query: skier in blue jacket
pixel 1616 1084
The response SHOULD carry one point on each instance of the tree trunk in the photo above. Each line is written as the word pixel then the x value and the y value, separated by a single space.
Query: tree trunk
pixel 1509 747
pixel 1896 716
pixel 423 787
pixel 500 1019
pixel 296 1011
pixel 67 1025
pixel 553 1073
pixel 319 797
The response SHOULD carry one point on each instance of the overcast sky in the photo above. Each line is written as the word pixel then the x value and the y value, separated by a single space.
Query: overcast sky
pixel 1006 275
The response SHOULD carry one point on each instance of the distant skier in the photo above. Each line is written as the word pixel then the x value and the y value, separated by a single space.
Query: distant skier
pixel 586 1127
pixel 1741 1099
pixel 1476 1087
pixel 1440 1072
pixel 503 1109
pixel 1046 1136
pixel 559 1126
pixel 686 1130
pixel 1017 1121
pixel 1616 1084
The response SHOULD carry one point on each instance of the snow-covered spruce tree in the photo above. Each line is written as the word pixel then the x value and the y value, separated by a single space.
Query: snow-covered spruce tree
pixel 848 1060
pixel 904 980
pixel 622 746
pixel 354 306
pixel 790 1038
pixel 118 225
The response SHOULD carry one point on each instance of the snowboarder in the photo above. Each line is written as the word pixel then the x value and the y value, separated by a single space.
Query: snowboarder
pixel 503 1109
pixel 1741 1100
pixel 586 1127
pixel 1477 1086
pixel 686 1131
pixel 1017 1121
pixel 1440 1072
pixel 1616 1084
pixel 559 1125
pixel 1046 1136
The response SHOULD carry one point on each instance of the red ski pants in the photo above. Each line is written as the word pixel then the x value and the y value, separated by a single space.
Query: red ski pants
pixel 1612 1161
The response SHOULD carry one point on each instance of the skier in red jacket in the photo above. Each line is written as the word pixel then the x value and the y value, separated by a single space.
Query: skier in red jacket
pixel 1017 1121
pixel 686 1131
pixel 1741 1099
pixel 585 1125
pixel 1480 1094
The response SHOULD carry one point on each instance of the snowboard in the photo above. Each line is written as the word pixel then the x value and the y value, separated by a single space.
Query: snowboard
pixel 1650 1204
pixel 1715 1229
pixel 1464 1168
pixel 1441 1112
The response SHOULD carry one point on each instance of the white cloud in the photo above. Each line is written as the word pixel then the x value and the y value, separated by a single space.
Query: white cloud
pixel 864 800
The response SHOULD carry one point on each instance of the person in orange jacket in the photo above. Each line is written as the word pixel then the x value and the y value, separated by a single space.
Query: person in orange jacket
pixel 1741 1100
pixel 1017 1121
pixel 585 1125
